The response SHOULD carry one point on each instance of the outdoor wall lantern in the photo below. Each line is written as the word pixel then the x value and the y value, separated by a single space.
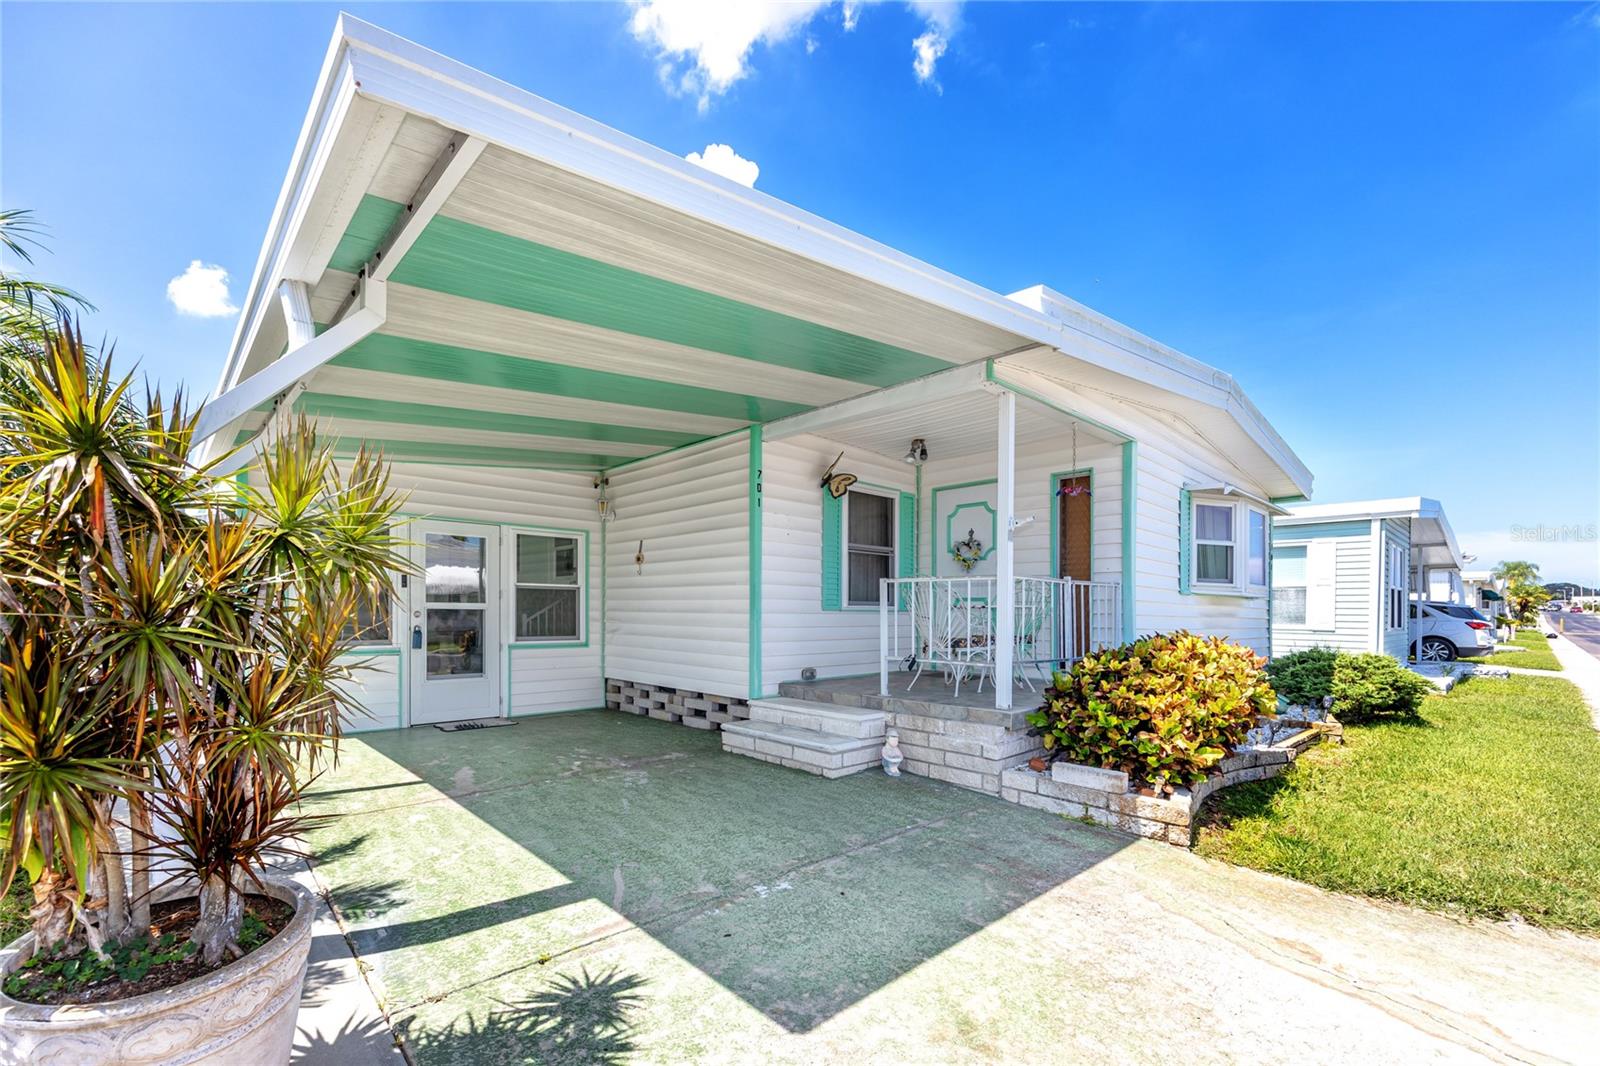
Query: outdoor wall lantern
pixel 918 453
pixel 601 502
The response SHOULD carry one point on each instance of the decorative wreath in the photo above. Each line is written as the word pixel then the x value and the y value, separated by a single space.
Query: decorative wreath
pixel 967 552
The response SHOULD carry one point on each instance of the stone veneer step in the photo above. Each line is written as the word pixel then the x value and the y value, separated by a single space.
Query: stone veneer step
pixel 858 722
pixel 814 752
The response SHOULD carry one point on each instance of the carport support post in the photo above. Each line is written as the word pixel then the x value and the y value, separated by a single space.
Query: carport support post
pixel 1004 572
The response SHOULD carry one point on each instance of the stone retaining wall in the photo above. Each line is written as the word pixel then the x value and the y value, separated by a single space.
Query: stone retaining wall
pixel 970 754
pixel 698 710
pixel 1105 796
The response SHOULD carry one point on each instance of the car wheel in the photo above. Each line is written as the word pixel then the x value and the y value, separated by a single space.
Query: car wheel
pixel 1437 650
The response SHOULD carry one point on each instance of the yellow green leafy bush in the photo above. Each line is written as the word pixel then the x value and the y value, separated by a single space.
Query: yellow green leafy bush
pixel 1164 709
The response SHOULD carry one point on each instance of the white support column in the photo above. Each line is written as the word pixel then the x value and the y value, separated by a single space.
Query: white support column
pixel 1005 622
pixel 295 299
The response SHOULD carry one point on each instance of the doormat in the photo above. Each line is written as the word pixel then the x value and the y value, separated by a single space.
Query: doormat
pixel 473 723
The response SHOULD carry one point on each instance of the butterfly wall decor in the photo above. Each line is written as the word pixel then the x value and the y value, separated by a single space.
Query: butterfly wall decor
pixel 837 484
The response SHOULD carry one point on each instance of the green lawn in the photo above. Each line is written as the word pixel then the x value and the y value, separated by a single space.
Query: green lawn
pixel 1486 806
pixel 1538 655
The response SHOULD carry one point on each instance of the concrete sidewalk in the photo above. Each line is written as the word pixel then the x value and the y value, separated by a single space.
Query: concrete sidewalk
pixel 1581 668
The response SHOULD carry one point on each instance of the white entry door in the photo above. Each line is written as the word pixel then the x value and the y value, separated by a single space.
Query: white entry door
pixel 455 656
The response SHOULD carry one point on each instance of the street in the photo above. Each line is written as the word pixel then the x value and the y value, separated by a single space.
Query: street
pixel 1582 629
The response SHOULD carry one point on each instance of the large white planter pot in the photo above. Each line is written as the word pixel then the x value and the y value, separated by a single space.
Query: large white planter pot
pixel 242 1014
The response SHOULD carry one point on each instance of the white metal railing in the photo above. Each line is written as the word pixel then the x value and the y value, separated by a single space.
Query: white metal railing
pixel 948 624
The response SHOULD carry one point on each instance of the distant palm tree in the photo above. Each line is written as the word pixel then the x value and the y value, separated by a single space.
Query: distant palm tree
pixel 1517 570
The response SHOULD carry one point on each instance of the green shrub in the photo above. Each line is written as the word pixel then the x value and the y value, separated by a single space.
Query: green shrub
pixel 1370 686
pixel 1303 677
pixel 1164 709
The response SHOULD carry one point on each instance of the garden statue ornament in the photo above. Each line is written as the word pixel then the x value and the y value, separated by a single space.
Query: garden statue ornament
pixel 892 755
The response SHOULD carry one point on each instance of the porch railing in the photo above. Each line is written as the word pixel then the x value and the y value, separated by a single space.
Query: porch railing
pixel 948 624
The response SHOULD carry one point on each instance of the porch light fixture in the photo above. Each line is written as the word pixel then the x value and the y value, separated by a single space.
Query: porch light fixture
pixel 601 503
pixel 918 453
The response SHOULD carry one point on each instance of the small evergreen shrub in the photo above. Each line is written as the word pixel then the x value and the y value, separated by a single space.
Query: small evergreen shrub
pixel 1163 709
pixel 1371 686
pixel 1303 677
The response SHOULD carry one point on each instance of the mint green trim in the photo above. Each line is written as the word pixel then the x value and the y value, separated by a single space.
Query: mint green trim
pixel 1281 500
pixel 447 362
pixel 1056 479
pixel 357 408
pixel 906 547
pixel 753 650
pixel 1130 524
pixel 477 263
pixel 404 451
pixel 949 525
pixel 949 537
pixel 832 552
pixel 1185 540
pixel 370 652
pixel 994 378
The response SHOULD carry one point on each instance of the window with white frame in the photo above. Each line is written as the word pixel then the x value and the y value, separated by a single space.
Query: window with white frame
pixel 1214 546
pixel 370 625
pixel 1257 547
pixel 1289 585
pixel 1397 587
pixel 1229 546
pixel 869 523
pixel 547 575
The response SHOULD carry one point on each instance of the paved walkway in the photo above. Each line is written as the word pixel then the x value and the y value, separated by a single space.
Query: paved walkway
pixel 599 887
pixel 1582 669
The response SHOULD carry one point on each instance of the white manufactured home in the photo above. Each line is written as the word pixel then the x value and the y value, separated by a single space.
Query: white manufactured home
pixel 672 444
pixel 1344 574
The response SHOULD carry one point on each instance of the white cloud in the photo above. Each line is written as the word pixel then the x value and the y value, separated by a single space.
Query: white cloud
pixel 942 18
pixel 721 159
pixel 202 291
pixel 703 47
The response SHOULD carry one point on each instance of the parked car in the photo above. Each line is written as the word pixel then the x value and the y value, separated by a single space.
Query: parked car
pixel 1448 631
pixel 1576 608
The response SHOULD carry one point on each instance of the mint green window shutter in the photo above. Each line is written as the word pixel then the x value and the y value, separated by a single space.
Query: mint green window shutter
pixel 1185 540
pixel 908 544
pixel 832 551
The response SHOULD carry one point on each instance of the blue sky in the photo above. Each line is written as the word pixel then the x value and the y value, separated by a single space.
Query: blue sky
pixel 1383 219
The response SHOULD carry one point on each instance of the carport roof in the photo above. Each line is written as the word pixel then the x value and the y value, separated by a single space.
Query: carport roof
pixel 496 279
pixel 1430 529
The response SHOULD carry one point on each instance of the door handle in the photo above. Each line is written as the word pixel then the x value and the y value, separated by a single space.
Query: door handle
pixel 416 638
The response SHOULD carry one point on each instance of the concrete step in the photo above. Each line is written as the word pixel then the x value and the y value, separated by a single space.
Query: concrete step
pixel 814 752
pixel 859 722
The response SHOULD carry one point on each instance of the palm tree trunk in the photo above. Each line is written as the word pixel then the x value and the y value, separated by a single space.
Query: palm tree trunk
pixel 115 924
pixel 139 829
pixel 51 913
pixel 221 916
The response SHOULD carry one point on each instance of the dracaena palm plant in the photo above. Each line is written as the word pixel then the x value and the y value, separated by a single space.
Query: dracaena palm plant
pixel 171 675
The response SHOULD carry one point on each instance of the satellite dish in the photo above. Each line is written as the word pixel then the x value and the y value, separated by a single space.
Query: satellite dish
pixel 837 484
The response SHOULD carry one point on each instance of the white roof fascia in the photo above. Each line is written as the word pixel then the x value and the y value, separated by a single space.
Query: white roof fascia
pixel 940 385
pixel 1208 383
pixel 1226 489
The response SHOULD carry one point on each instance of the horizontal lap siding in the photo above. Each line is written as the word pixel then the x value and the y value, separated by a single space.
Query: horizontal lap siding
pixel 542 679
pixel 375 686
pixel 683 621
pixel 796 631
pixel 1164 466
pixel 1353 600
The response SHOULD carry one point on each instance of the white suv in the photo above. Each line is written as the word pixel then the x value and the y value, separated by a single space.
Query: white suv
pixel 1449 631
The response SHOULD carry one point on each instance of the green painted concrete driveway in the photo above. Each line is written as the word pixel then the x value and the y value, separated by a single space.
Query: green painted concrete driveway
pixel 598 887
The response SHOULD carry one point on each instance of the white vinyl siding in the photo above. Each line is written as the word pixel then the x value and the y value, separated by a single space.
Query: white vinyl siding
pixel 796 631
pixel 1396 542
pixel 682 618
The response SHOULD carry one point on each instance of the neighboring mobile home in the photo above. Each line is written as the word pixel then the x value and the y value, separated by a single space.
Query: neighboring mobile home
pixel 1343 574
pixel 612 382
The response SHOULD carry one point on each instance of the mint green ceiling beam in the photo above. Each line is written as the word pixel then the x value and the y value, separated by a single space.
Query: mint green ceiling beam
pixel 356 408
pixel 476 263
pixel 445 362
pixel 465 454
pixel 367 229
